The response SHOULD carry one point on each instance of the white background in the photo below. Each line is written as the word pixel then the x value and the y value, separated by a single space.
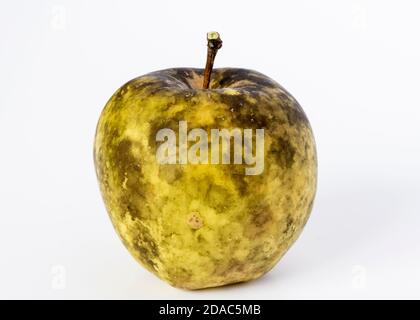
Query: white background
pixel 353 65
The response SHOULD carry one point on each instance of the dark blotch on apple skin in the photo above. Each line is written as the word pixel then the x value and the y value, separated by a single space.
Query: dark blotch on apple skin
pixel 260 88
pixel 122 155
pixel 283 151
pixel 129 173
pixel 233 265
pixel 295 113
pixel 147 248
pixel 228 77
pixel 128 165
pixel 289 223
pixel 261 215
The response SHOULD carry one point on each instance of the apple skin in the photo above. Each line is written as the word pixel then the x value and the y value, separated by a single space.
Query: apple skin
pixel 243 224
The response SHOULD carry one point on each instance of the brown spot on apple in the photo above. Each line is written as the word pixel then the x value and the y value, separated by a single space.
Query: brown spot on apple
pixel 194 221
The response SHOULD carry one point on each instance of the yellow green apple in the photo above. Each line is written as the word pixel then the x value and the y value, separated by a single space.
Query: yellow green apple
pixel 206 184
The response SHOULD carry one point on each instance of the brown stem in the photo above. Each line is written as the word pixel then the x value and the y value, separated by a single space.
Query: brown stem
pixel 214 43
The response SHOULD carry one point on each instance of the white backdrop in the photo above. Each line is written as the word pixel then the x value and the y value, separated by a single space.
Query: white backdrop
pixel 353 65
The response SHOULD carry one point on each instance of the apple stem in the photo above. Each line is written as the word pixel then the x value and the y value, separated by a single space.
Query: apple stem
pixel 214 43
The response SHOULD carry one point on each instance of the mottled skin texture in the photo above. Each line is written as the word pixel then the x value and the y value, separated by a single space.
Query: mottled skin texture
pixel 198 226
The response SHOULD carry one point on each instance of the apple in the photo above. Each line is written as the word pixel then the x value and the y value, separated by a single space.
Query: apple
pixel 208 176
